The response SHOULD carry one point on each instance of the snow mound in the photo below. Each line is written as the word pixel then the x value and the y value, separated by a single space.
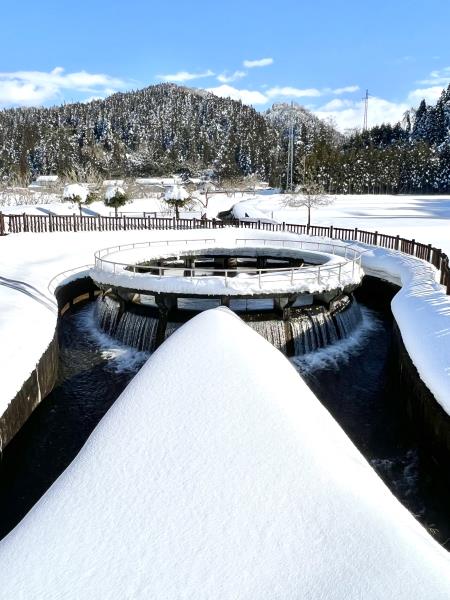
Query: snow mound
pixel 218 474
pixel 422 312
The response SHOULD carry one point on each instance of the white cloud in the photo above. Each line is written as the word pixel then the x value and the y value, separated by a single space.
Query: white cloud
pixel 246 96
pixel 292 92
pixel 31 88
pixel 224 78
pixel 261 62
pixel 182 76
pixel 346 90
pixel 337 104
pixel 349 114
pixel 438 77
pixel 430 94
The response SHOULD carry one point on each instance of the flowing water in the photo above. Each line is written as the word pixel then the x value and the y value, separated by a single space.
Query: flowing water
pixel 308 332
pixel 351 377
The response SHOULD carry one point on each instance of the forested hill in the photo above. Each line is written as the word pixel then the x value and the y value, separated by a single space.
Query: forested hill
pixel 309 130
pixel 157 130
pixel 166 128
pixel 412 156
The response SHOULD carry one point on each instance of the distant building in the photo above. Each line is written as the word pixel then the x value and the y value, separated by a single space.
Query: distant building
pixel 113 183
pixel 162 182
pixel 45 181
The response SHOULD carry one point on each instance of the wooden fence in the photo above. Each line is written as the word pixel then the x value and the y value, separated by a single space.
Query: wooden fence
pixel 50 223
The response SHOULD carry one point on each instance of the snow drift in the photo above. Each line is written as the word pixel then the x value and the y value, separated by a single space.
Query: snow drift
pixel 422 311
pixel 217 474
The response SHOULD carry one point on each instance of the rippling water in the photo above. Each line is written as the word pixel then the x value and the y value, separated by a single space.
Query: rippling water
pixel 352 378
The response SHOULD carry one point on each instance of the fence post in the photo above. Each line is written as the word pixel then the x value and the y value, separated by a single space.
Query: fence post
pixel 413 246
pixel 331 231
pixel 375 238
pixel 25 222
pixel 284 226
pixel 442 268
pixel 2 224
pixel 74 222
pixel 437 258
pixel 397 242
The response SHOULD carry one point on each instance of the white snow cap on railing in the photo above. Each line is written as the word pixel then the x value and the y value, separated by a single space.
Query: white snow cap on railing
pixel 337 266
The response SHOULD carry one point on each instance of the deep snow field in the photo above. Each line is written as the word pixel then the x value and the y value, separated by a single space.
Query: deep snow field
pixel 423 218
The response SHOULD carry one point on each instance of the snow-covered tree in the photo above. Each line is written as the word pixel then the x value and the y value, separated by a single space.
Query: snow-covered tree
pixel 115 197
pixel 309 195
pixel 177 197
pixel 78 194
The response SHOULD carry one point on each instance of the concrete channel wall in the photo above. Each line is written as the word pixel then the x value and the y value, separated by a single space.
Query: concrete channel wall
pixel 44 376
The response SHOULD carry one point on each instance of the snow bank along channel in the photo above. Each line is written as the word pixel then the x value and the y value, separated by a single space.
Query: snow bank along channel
pixel 325 267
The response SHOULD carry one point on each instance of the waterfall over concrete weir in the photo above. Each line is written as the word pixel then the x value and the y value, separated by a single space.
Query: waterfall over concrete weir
pixel 294 337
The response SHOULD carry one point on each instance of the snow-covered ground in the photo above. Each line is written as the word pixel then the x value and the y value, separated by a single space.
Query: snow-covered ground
pixel 45 204
pixel 232 484
pixel 423 218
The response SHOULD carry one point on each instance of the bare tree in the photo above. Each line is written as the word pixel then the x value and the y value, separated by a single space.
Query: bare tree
pixel 309 195
pixel 203 193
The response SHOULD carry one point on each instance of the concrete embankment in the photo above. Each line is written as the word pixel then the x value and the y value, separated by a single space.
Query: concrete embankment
pixel 43 377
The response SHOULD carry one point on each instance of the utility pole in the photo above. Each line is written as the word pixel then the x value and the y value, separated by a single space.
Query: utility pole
pixel 366 107
pixel 290 158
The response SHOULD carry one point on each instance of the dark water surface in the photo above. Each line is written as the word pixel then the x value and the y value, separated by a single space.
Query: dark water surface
pixel 87 386
pixel 360 390
pixel 355 383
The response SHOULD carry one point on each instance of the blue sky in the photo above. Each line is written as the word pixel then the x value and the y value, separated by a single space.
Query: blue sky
pixel 322 54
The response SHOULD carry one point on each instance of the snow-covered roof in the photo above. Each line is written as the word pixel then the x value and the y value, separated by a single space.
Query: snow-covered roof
pixel 230 483
pixel 75 189
pixel 113 182
pixel 176 192
pixel 148 181
pixel 47 178
pixel 164 181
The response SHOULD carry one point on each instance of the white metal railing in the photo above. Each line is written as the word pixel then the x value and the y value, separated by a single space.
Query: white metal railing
pixel 349 266
pixel 56 281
